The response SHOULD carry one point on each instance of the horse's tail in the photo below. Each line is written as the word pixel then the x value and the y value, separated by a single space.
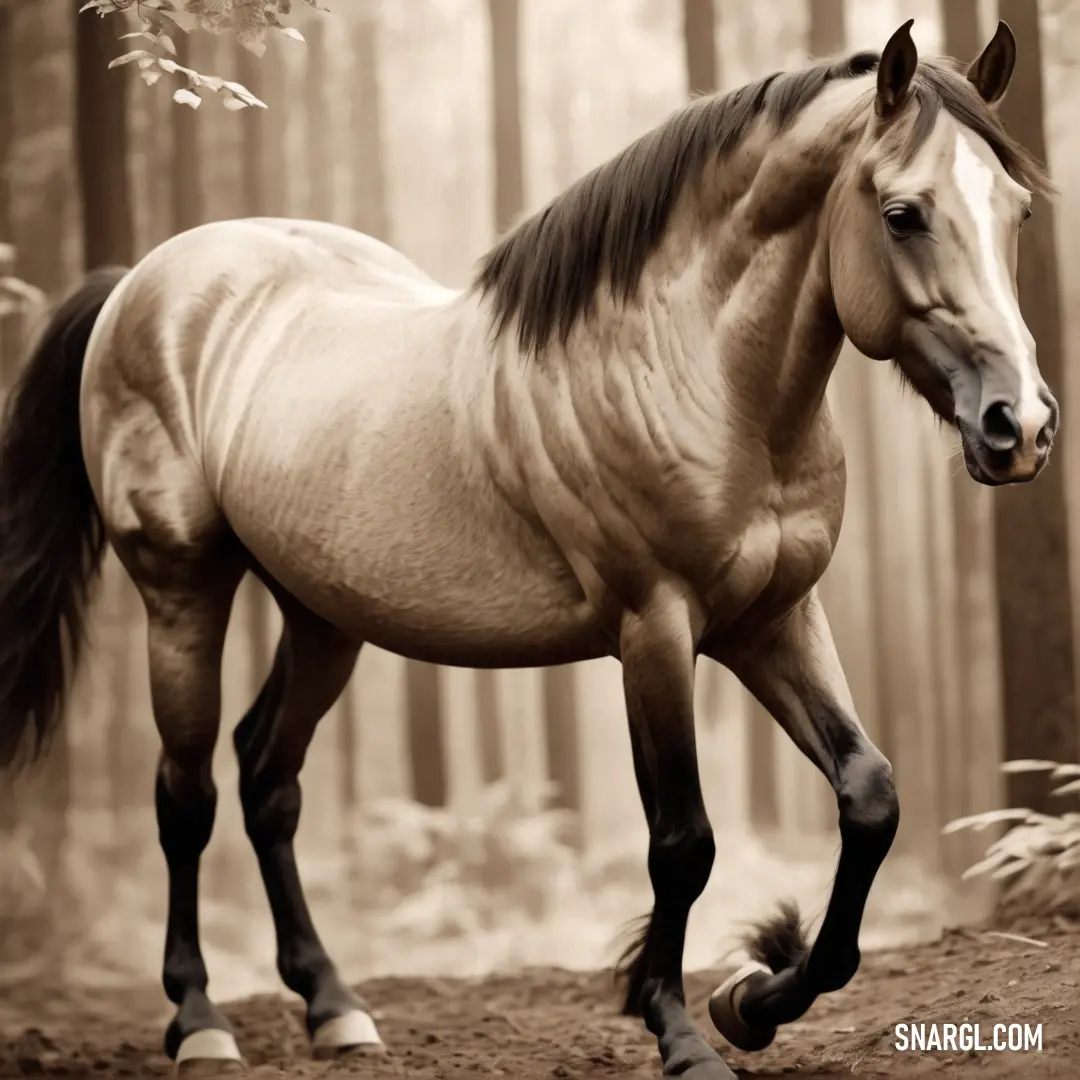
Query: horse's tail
pixel 52 538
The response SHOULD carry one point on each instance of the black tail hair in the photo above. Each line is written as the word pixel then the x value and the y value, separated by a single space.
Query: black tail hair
pixel 631 968
pixel 51 534
pixel 780 941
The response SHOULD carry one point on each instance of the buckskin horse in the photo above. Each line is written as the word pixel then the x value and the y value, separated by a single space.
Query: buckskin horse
pixel 616 442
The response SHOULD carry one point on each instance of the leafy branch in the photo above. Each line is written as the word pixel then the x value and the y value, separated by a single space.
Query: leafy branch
pixel 1039 856
pixel 161 20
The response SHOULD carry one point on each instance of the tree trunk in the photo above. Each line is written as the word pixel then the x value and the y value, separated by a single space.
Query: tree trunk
pixel 960 25
pixel 187 202
pixel 368 170
pixel 506 107
pixel 217 132
pixel 1031 529
pixel 102 144
pixel 150 159
pixel 828 28
pixel 761 767
pixel 263 168
pixel 699 44
pixel 320 158
pixel 426 738
pixel 488 727
pixel 560 713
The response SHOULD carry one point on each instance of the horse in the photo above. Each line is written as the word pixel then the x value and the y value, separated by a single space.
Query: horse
pixel 614 442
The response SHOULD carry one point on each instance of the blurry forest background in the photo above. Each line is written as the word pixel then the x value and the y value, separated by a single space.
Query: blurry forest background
pixel 459 820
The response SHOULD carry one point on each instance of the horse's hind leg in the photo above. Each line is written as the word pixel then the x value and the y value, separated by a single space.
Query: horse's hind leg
pixel 311 668
pixel 188 599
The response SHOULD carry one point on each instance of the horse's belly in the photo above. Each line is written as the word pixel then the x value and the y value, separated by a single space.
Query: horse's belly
pixel 467 607
pixel 402 549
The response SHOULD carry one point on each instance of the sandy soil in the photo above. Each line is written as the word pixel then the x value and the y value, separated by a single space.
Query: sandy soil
pixel 550 1023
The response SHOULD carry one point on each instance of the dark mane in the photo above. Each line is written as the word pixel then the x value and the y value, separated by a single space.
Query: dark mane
pixel 545 273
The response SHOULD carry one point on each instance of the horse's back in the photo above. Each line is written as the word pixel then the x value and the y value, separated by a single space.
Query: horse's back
pixel 183 344
pixel 379 273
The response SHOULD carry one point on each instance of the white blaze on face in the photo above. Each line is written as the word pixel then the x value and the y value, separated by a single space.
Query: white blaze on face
pixel 975 181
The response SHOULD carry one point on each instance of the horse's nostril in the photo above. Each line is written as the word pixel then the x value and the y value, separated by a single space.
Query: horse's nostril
pixel 1045 436
pixel 1000 428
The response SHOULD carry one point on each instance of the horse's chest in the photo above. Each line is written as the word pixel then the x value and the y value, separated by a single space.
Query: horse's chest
pixel 779 555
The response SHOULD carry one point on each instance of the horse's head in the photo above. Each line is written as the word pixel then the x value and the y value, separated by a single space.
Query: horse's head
pixel 923 250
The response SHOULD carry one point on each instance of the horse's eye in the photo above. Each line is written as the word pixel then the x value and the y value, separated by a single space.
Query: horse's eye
pixel 905 221
pixel 1025 216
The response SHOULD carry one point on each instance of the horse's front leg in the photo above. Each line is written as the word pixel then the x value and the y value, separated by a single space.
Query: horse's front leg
pixel 657 653
pixel 798 678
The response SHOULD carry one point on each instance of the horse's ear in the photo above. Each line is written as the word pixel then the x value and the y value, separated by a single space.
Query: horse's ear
pixel 897 65
pixel 991 72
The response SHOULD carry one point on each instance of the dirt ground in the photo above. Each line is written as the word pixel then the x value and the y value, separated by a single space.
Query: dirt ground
pixel 560 1025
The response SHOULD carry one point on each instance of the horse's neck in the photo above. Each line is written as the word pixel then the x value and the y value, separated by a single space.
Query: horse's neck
pixel 729 335
pixel 732 332
pixel 778 336
pixel 767 288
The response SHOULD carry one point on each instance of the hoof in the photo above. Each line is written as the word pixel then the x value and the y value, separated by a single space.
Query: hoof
pixel 209 1052
pixel 724 1010
pixel 354 1032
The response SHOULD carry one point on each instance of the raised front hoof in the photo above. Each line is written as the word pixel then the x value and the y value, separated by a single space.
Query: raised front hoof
pixel 353 1032
pixel 724 1009
pixel 206 1053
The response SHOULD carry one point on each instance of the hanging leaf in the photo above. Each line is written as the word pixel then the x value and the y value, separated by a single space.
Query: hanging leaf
pixel 984 820
pixel 127 58
pixel 186 97
pixel 1024 765
pixel 1010 869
